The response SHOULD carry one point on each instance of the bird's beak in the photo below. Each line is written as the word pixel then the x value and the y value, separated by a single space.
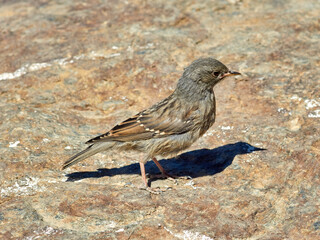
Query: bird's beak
pixel 230 73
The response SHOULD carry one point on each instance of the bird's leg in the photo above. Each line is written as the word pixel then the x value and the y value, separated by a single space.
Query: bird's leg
pixel 145 181
pixel 167 175
pixel 164 173
pixel 143 174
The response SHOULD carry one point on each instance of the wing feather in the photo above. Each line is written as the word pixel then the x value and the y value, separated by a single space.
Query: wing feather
pixel 157 122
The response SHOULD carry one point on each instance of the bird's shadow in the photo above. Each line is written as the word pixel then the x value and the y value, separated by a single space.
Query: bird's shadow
pixel 196 163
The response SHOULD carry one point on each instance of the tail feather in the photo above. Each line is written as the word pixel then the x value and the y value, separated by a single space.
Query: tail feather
pixel 88 152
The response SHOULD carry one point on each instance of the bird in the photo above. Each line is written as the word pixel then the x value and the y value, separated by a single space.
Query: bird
pixel 169 126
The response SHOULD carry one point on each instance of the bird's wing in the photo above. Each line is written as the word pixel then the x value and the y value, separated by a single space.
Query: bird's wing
pixel 151 124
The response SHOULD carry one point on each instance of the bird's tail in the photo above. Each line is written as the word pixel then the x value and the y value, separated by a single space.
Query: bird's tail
pixel 88 152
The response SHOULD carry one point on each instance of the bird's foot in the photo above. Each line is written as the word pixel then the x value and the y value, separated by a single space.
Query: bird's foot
pixel 168 176
pixel 163 176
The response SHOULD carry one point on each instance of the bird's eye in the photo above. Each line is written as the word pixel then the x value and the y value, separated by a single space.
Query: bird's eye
pixel 216 74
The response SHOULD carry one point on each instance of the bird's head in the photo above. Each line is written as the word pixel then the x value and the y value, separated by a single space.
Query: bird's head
pixel 208 71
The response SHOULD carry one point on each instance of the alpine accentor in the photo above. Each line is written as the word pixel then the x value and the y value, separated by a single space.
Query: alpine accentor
pixel 170 125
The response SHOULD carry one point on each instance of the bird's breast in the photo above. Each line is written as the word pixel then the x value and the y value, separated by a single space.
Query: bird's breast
pixel 208 113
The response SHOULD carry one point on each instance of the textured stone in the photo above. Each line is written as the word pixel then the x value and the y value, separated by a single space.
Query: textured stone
pixel 71 70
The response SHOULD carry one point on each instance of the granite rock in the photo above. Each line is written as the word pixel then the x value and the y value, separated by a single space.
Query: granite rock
pixel 70 70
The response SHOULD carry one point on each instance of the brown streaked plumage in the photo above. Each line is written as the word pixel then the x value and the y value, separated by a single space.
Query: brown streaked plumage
pixel 169 126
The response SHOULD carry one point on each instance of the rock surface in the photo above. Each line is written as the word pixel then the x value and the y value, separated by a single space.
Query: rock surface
pixel 70 70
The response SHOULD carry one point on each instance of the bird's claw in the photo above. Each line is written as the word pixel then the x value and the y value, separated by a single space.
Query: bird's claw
pixel 168 176
pixel 163 176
